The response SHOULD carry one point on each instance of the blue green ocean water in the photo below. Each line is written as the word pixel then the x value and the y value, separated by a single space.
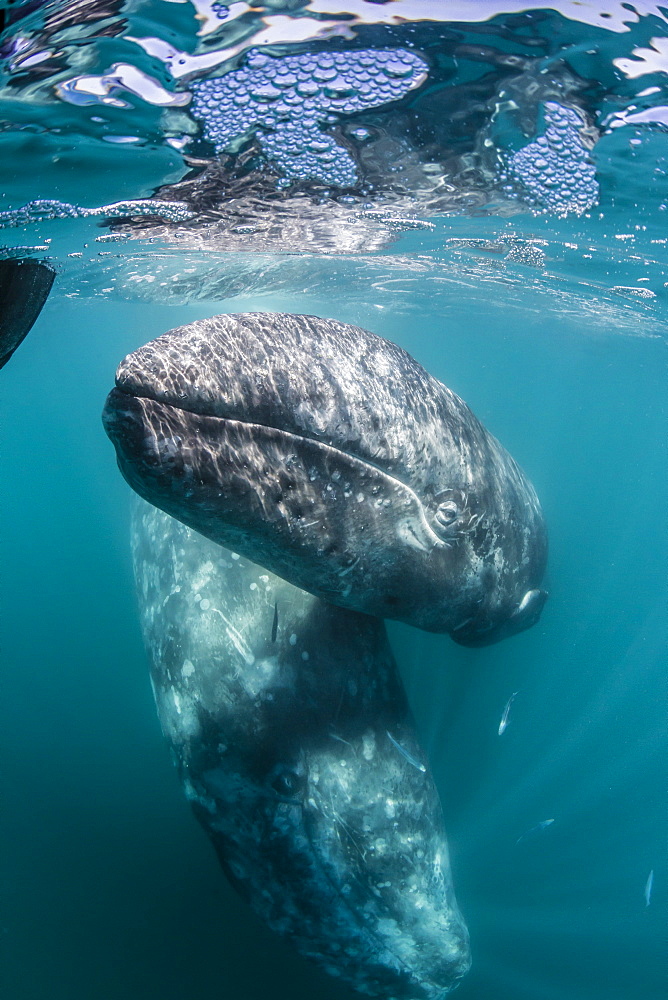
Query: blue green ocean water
pixel 109 889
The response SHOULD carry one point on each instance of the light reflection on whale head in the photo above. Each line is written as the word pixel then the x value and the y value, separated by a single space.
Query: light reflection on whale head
pixel 331 457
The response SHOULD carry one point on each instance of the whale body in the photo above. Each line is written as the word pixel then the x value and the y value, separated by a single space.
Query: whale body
pixel 330 456
pixel 296 748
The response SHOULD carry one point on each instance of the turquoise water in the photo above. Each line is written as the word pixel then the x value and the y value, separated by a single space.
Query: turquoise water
pixel 109 888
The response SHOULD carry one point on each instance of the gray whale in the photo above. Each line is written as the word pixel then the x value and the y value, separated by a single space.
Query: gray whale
pixel 294 742
pixel 330 456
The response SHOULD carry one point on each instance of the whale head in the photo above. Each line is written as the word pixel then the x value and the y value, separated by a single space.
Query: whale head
pixel 330 456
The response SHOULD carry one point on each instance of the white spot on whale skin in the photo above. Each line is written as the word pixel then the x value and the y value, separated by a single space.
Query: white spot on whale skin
pixel 293 639
pixel 188 669
pixel 368 745
pixel 263 674
pixel 205 605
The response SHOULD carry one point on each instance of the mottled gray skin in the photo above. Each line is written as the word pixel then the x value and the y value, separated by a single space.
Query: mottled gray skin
pixel 330 456
pixel 282 710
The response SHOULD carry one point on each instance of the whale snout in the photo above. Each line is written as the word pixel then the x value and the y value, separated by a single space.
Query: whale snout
pixel 484 633
pixel 121 418
pixel 147 450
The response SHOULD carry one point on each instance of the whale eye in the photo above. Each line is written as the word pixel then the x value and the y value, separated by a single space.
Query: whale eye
pixel 286 782
pixel 446 513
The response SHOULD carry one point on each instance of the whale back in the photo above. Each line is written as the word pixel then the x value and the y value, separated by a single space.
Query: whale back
pixel 296 748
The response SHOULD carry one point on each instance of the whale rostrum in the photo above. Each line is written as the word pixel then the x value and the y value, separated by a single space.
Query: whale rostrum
pixel 296 748
pixel 330 456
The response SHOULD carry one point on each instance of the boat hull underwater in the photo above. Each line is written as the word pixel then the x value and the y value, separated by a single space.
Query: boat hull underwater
pixel 24 288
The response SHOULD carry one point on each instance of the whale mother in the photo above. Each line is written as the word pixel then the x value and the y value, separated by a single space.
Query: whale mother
pixel 331 457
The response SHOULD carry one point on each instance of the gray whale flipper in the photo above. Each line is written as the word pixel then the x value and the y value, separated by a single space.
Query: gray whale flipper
pixel 329 455
pixel 24 288
pixel 295 744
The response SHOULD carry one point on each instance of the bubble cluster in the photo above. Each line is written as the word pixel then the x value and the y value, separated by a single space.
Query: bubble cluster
pixel 43 210
pixel 555 170
pixel 526 253
pixel 286 101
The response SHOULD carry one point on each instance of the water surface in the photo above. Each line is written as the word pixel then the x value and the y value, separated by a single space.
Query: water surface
pixel 550 323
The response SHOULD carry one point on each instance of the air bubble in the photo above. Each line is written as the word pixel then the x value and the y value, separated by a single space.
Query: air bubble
pixel 325 73
pixel 226 109
pixel 399 69
pixel 267 92
pixel 309 88
pixel 555 170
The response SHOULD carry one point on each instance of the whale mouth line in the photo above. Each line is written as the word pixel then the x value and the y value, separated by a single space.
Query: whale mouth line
pixel 204 412
pixel 324 445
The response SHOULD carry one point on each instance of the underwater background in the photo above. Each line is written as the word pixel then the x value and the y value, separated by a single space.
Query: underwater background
pixel 549 319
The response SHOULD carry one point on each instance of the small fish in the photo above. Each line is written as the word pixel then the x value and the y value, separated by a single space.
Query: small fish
pixel 404 752
pixel 506 712
pixel 648 887
pixel 274 627
pixel 544 823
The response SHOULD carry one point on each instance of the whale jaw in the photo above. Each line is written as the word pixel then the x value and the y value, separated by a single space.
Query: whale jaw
pixel 526 614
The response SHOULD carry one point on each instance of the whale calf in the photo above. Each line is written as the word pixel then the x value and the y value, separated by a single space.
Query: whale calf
pixel 295 744
pixel 24 288
pixel 330 456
